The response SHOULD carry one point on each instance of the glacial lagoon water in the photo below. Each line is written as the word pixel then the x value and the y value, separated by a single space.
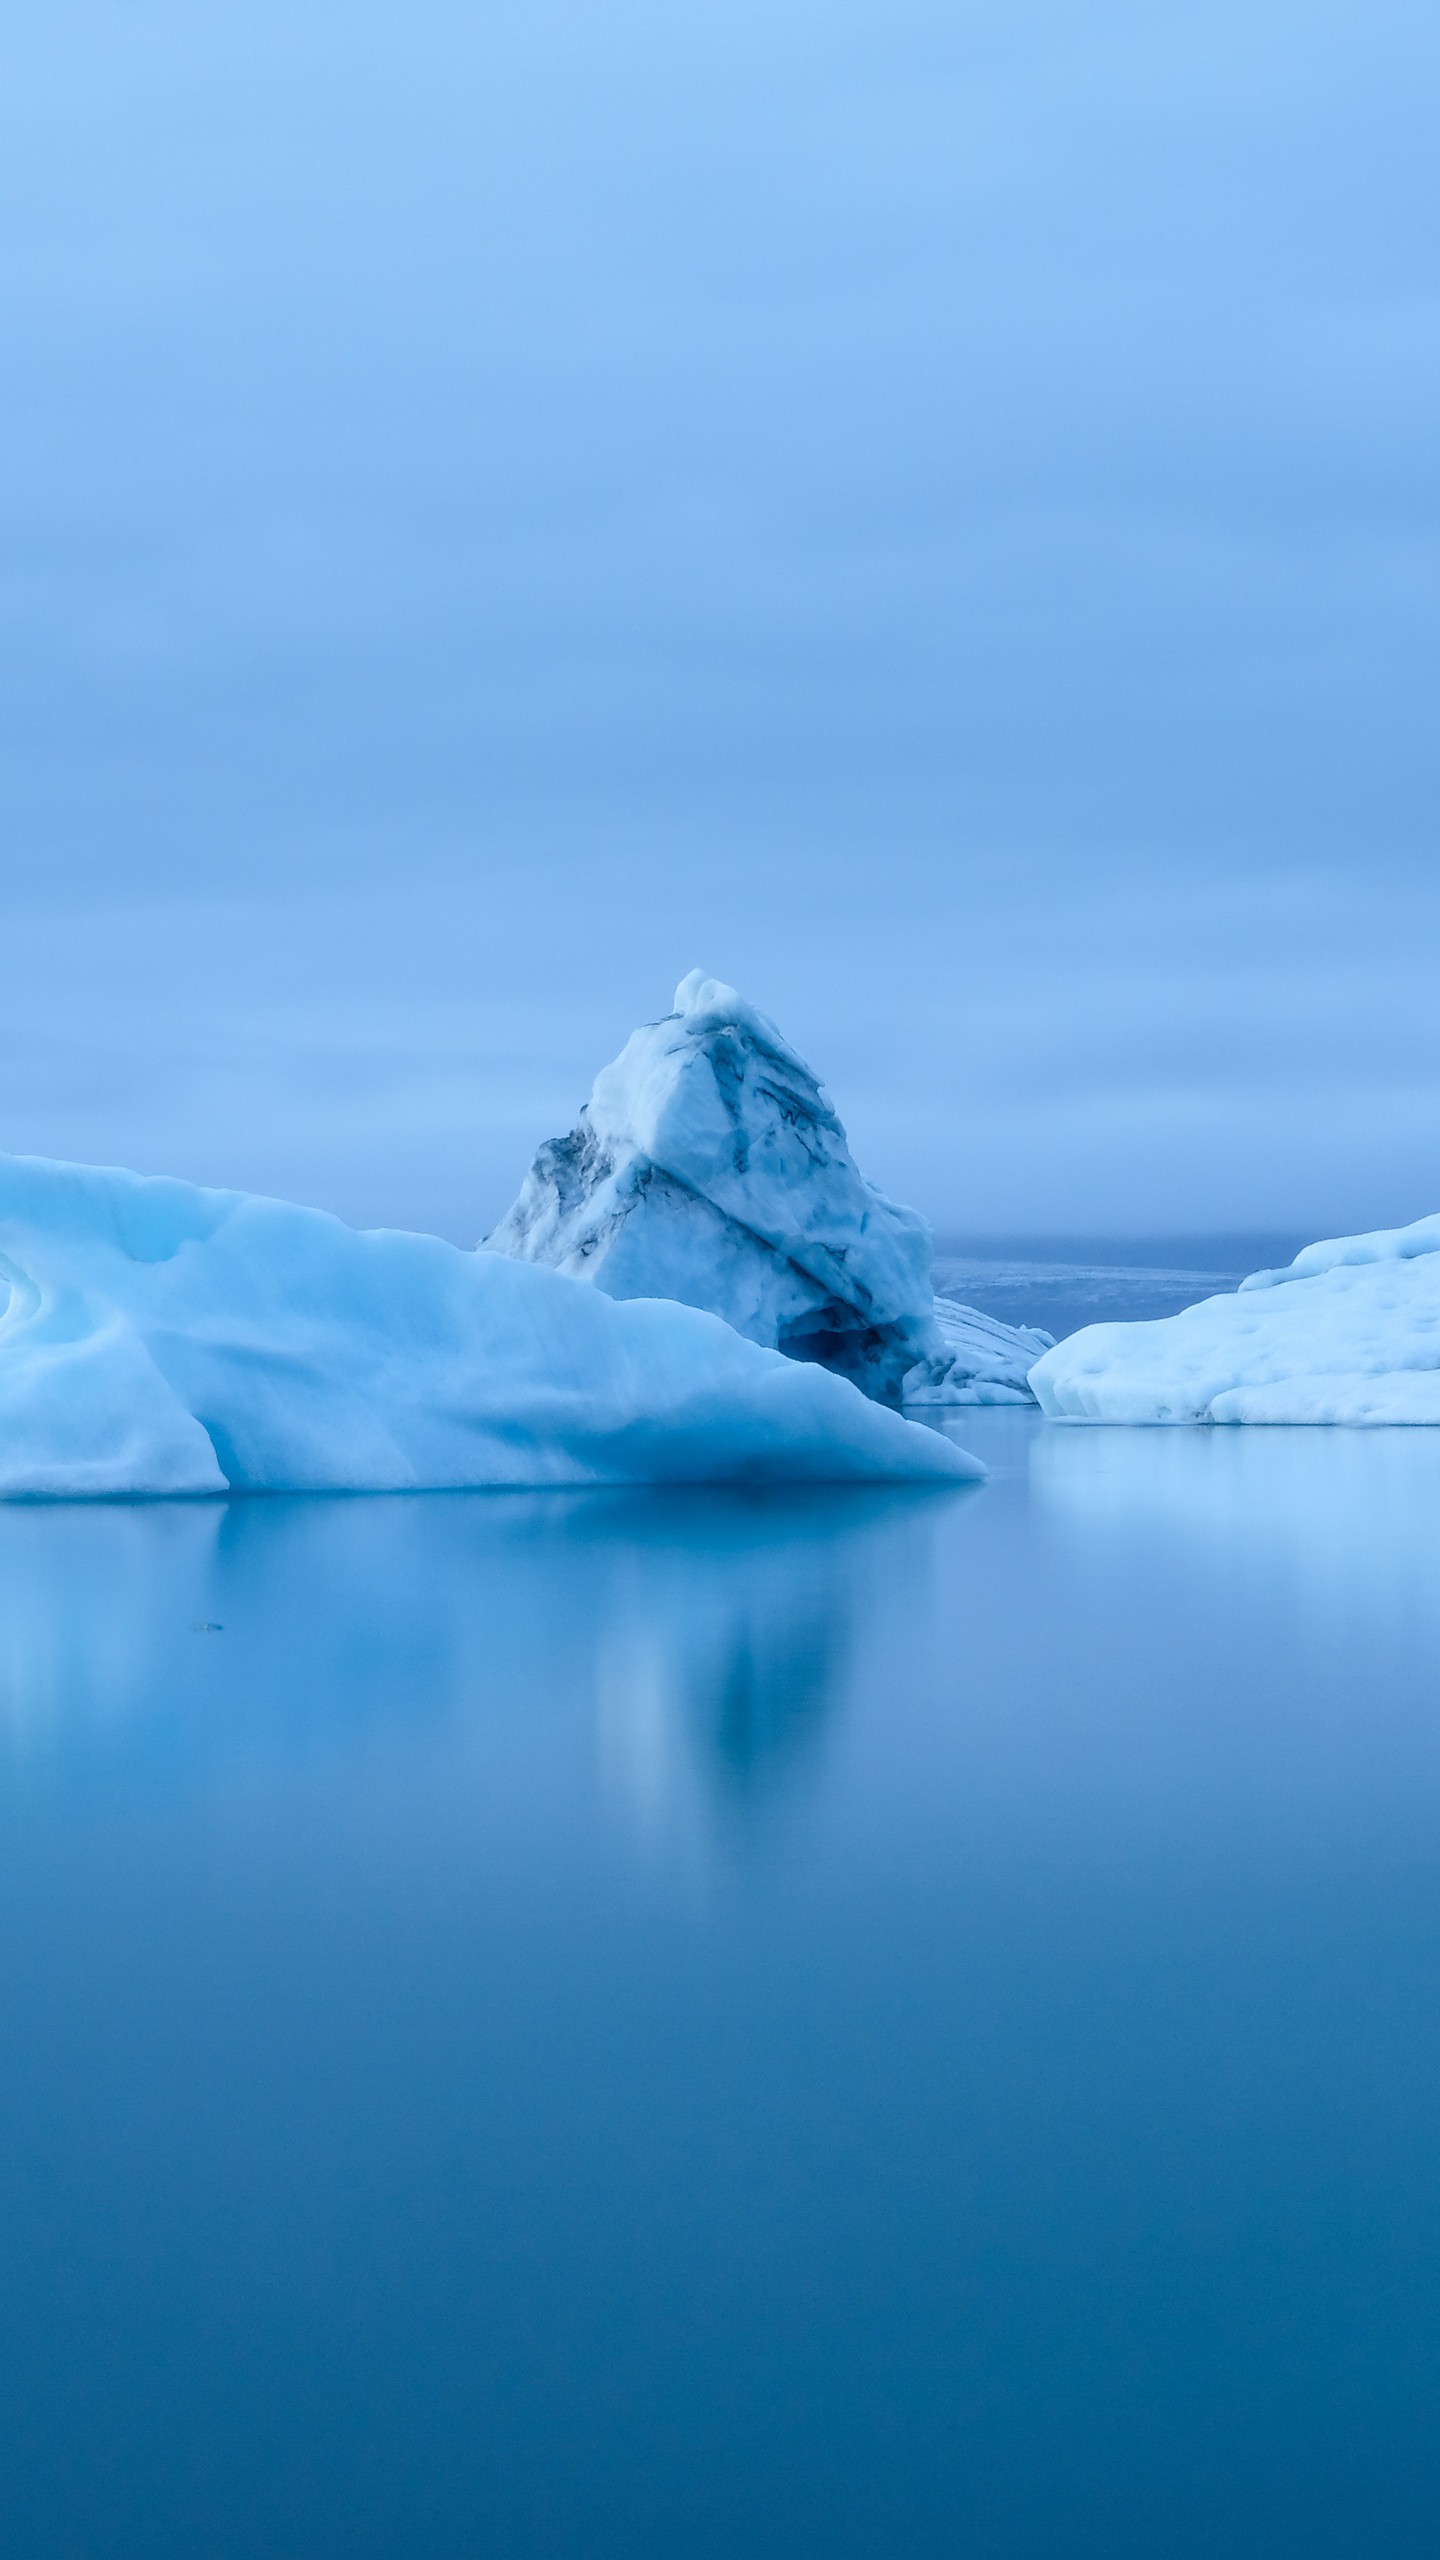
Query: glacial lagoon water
pixel 1079 1280
pixel 767 2028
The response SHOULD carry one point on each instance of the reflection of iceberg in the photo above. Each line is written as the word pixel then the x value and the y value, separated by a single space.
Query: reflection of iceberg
pixel 160 1339
pixel 1348 1333
pixel 730 1631
pixel 709 1166
pixel 742 1695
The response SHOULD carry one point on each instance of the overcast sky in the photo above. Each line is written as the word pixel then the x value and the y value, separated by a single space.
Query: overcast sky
pixel 928 511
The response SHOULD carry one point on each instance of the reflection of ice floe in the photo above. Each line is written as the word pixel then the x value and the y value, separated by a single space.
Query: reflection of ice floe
pixel 713 1631
pixel 1340 1511
pixel 95 1601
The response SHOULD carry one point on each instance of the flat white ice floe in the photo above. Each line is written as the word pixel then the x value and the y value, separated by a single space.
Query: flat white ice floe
pixel 709 1166
pixel 1350 1333
pixel 160 1339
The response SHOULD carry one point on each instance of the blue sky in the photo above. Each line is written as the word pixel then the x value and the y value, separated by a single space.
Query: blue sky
pixel 929 512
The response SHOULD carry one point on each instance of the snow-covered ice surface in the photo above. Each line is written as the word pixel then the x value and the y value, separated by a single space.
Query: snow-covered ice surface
pixel 709 1166
pixel 1349 1332
pixel 161 1339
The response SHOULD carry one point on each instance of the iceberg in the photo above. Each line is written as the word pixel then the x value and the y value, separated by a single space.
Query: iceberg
pixel 157 1338
pixel 1349 1332
pixel 709 1166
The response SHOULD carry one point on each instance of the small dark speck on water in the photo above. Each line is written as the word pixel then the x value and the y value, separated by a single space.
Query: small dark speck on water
pixel 206 1627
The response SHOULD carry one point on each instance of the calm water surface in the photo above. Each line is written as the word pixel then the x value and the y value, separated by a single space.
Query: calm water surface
pixel 857 2024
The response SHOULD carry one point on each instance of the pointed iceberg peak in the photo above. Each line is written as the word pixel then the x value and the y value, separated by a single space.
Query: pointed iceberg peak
pixel 709 1166
pixel 707 1004
pixel 699 996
